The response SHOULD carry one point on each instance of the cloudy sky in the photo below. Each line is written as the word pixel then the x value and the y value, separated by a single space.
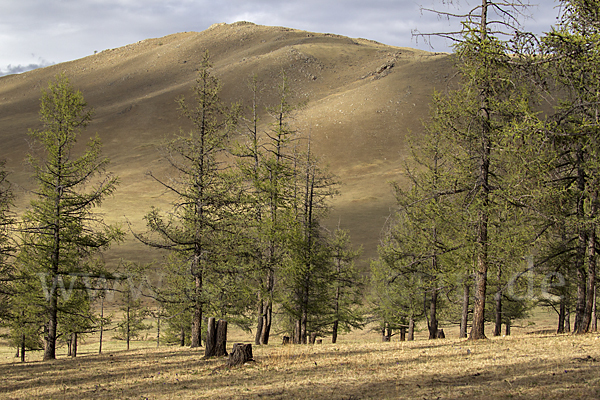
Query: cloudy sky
pixel 36 33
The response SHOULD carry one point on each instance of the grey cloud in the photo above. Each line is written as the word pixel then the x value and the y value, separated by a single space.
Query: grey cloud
pixel 18 69
pixel 68 29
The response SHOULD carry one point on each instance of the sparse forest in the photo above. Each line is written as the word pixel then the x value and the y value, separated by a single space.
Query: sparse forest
pixel 495 214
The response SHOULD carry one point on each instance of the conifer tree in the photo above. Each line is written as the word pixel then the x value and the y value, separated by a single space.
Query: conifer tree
pixel 480 117
pixel 61 234
pixel 206 192
pixel 347 284
pixel 573 56
pixel 309 274
pixel 267 161
pixel 7 247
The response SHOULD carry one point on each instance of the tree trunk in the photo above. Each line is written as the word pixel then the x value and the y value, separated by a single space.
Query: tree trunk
pixel 304 326
pixel 433 322
pixel 128 327
pixel 313 337
pixel 221 339
pixel 22 348
pixel 216 338
pixel 158 329
pixel 581 248
pixel 197 317
pixel 402 333
pixel 411 329
pixel 483 174
pixel 267 312
pixel 50 339
pixel 561 316
pixel 498 323
pixel 74 344
pixel 465 311
pixel 182 336
pixel 240 354
pixel 507 329
pixel 594 327
pixel 386 333
pixel 211 337
pixel 101 323
pixel 296 339
pixel 337 303
pixel 568 321
pixel 591 277
pixel 478 327
pixel 259 323
pixel 267 321
pixel 335 331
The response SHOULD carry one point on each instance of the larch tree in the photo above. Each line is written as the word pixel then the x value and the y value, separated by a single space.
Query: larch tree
pixel 206 193
pixel 61 234
pixel 347 284
pixel 7 246
pixel 266 160
pixel 309 274
pixel 479 115
pixel 572 52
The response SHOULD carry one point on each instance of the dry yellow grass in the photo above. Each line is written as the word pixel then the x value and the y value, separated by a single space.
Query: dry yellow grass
pixel 521 366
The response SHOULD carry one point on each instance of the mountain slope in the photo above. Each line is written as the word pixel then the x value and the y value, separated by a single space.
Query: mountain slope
pixel 363 101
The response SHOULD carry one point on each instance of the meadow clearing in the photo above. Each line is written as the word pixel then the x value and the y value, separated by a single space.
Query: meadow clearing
pixel 531 364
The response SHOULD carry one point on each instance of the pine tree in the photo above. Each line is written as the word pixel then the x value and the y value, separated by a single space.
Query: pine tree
pixel 61 234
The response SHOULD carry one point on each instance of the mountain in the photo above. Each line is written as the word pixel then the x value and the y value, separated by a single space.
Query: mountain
pixel 363 101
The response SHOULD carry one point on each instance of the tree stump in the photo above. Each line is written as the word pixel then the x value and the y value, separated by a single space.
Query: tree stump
pixel 286 340
pixel 240 354
pixel 216 338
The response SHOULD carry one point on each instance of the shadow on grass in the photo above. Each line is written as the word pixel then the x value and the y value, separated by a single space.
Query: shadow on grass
pixel 415 371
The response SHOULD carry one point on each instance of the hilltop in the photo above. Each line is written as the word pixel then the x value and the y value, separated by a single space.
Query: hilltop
pixel 363 101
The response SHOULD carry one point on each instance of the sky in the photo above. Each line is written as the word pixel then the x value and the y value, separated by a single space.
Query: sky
pixel 37 33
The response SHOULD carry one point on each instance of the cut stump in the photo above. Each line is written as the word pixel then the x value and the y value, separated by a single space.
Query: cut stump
pixel 240 354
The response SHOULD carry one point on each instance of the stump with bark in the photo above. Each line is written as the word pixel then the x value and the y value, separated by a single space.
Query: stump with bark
pixel 216 338
pixel 240 354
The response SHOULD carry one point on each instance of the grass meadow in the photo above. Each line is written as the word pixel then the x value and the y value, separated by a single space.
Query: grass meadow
pixel 532 364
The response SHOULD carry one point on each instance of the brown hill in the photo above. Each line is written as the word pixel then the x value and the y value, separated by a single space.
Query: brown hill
pixel 363 100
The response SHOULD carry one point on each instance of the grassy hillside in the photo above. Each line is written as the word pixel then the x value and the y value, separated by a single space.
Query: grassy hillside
pixel 363 100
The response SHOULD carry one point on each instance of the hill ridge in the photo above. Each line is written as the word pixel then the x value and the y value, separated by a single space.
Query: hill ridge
pixel 362 98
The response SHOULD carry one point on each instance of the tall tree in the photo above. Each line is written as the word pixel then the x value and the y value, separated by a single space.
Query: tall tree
pixel 347 285
pixel 206 193
pixel 267 162
pixel 61 234
pixel 574 58
pixel 7 246
pixel 479 114
pixel 309 273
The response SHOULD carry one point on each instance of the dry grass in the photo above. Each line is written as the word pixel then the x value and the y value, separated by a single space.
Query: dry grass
pixel 524 366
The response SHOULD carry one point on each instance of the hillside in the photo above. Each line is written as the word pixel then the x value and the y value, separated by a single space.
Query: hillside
pixel 363 100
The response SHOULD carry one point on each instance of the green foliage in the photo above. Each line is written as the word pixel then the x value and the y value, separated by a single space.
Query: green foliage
pixel 7 245
pixel 61 234
pixel 207 193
